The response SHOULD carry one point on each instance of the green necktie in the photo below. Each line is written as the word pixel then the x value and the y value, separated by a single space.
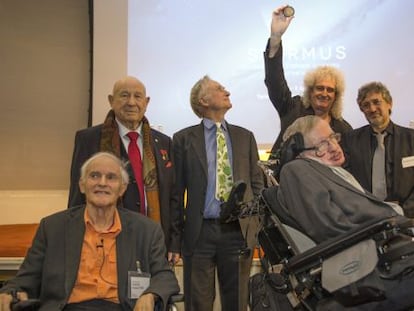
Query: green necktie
pixel 224 178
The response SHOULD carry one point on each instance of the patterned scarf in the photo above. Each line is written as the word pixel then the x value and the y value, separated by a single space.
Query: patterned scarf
pixel 111 142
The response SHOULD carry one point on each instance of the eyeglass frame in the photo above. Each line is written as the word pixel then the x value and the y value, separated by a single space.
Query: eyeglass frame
pixel 324 144
pixel 366 105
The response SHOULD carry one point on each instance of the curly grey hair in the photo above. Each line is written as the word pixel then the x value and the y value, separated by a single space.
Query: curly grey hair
pixel 325 72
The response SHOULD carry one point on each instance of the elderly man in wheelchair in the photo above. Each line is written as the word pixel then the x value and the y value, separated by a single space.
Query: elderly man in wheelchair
pixel 95 256
pixel 328 243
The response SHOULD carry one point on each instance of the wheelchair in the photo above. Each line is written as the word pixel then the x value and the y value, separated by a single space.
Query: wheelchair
pixel 344 272
pixel 34 304
pixel 349 272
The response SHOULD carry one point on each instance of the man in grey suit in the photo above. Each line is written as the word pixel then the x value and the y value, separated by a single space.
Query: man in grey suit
pixel 317 193
pixel 82 258
pixel 323 200
pixel 375 101
pixel 208 244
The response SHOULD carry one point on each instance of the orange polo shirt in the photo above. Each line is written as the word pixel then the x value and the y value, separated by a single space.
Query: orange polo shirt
pixel 97 275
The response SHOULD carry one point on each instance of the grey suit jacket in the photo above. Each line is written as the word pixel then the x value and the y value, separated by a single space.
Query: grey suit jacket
pixel 50 268
pixel 190 160
pixel 322 204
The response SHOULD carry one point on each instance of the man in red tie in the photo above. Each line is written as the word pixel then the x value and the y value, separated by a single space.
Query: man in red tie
pixel 126 132
pixel 135 158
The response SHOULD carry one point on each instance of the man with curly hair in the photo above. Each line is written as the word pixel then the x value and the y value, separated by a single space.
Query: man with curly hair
pixel 323 86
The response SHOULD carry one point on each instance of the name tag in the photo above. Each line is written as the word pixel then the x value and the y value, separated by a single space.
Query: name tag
pixel 137 284
pixel 407 162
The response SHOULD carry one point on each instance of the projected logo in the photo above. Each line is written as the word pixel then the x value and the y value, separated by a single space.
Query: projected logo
pixel 319 54
pixel 297 61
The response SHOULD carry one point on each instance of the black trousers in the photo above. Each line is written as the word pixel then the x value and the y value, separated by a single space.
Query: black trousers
pixel 221 247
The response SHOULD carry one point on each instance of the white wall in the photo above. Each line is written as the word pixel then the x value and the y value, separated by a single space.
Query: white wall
pixel 110 52
pixel 45 87
pixel 29 205
pixel 26 207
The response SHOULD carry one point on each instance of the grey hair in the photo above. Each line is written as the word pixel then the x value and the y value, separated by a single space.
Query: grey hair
pixel 373 87
pixel 320 73
pixel 197 93
pixel 118 161
pixel 302 125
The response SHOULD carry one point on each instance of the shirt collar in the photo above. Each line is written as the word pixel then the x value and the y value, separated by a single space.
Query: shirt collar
pixel 389 129
pixel 209 124
pixel 123 130
pixel 115 228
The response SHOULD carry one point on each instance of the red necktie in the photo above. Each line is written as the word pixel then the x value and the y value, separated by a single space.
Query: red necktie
pixel 135 159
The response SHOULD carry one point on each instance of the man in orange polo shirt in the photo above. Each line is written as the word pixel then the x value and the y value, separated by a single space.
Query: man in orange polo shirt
pixel 96 257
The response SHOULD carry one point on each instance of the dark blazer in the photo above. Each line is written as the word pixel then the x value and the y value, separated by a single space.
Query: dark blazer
pixel 50 268
pixel 289 108
pixel 191 173
pixel 359 147
pixel 87 142
pixel 322 204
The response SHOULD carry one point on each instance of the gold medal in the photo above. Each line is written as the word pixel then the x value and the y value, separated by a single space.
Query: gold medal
pixel 288 11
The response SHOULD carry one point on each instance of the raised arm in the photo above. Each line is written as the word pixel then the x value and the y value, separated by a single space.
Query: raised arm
pixel 278 27
pixel 278 90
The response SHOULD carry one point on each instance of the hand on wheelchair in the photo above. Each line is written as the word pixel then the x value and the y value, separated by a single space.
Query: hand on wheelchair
pixel 146 302
pixel 16 301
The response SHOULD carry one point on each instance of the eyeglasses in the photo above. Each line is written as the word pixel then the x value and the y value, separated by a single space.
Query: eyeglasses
pixel 321 88
pixel 323 146
pixel 366 105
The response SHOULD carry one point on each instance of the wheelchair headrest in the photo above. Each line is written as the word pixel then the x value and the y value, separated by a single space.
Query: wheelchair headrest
pixel 289 150
pixel 292 147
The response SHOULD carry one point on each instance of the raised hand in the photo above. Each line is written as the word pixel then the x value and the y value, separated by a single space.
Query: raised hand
pixel 277 28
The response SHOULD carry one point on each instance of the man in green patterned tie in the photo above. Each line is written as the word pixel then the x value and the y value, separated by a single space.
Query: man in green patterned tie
pixel 224 175
pixel 208 158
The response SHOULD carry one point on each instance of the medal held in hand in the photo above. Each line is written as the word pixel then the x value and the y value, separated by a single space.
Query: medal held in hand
pixel 288 11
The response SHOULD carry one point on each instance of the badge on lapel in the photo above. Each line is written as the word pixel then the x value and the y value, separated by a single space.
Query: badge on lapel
pixel 165 157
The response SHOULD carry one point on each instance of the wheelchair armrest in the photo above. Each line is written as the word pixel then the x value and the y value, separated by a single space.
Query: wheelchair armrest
pixel 176 298
pixel 34 304
pixel 309 258
pixel 26 305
